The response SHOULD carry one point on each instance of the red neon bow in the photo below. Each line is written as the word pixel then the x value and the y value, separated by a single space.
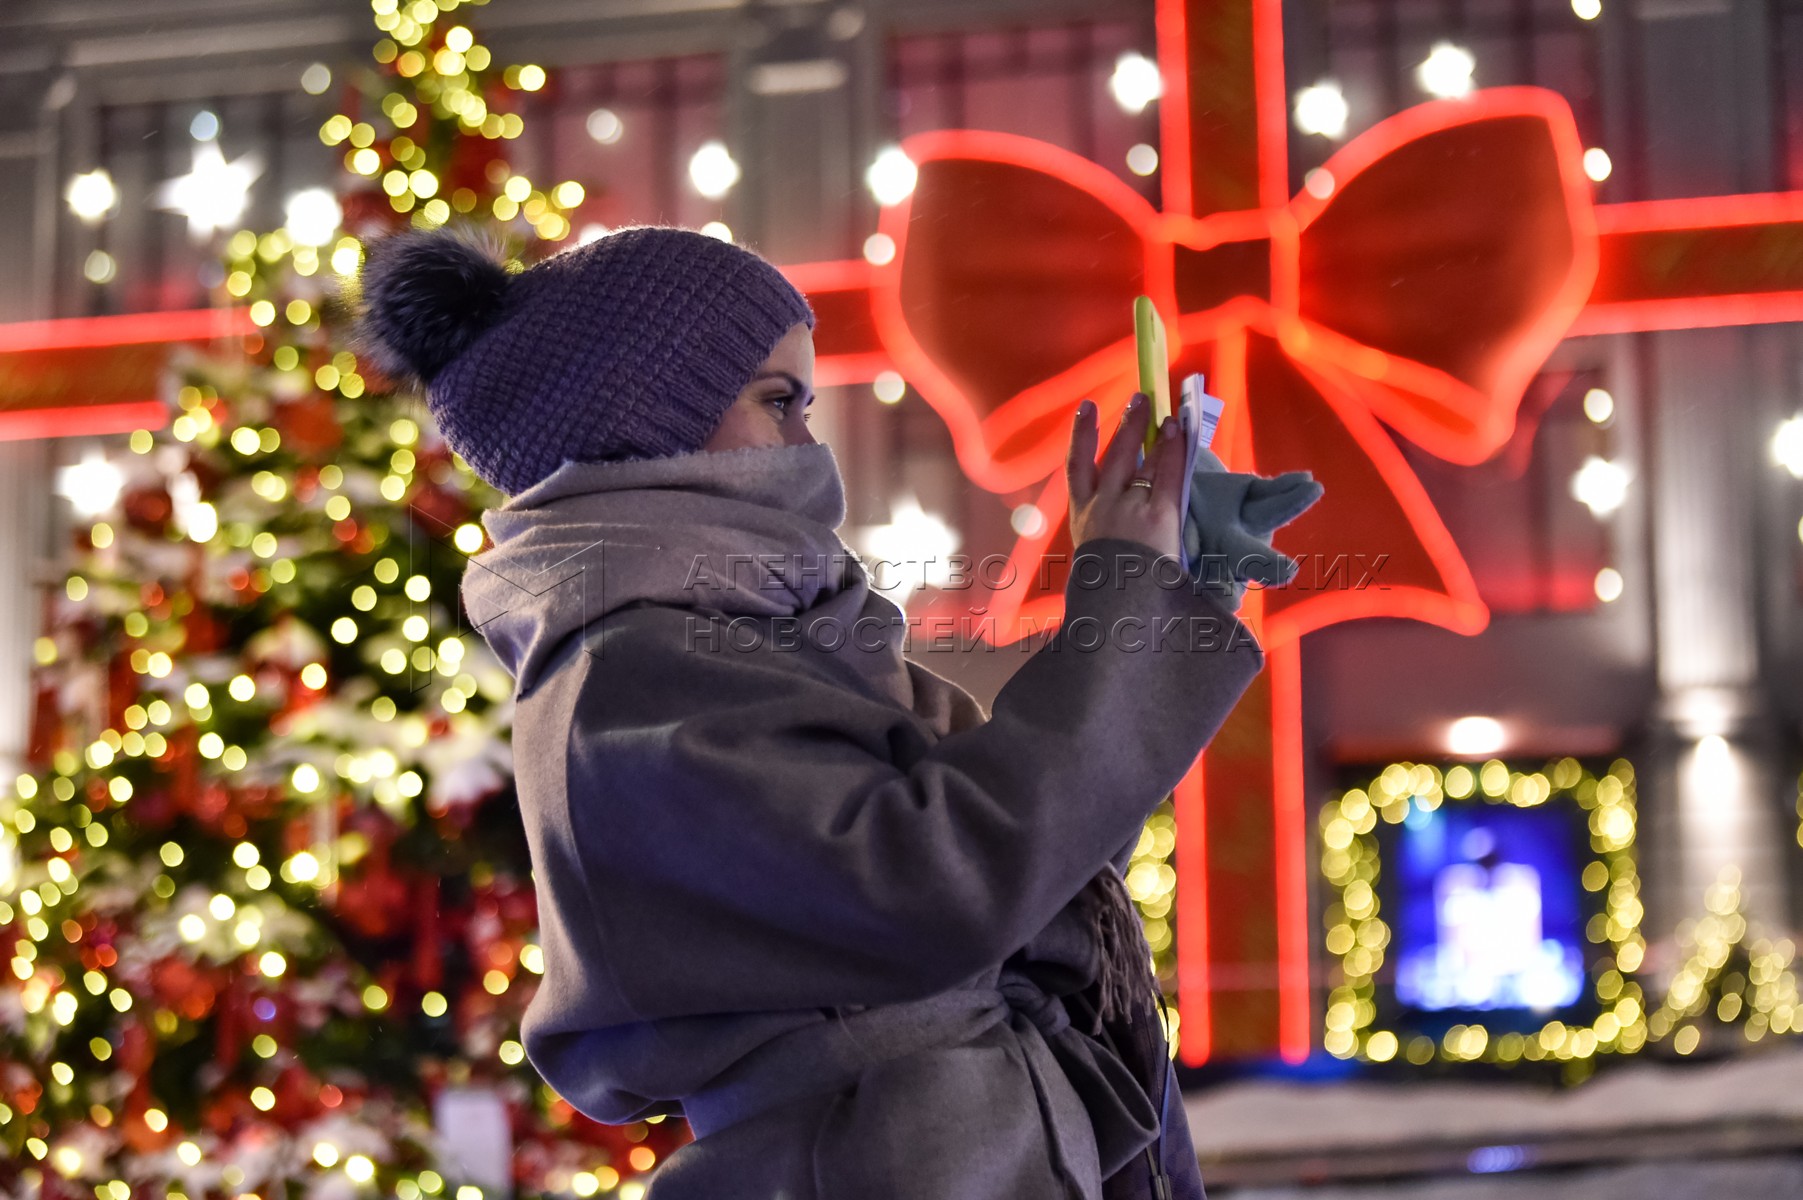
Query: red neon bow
pixel 1387 289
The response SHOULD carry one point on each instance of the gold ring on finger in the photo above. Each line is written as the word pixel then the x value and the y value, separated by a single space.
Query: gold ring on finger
pixel 1145 483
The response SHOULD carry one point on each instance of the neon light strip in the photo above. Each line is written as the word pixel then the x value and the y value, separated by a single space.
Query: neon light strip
pixel 1621 316
pixel 1460 608
pixel 1711 312
pixel 1173 110
pixel 84 333
pixel 1700 212
pixel 1289 820
pixel 31 424
pixel 842 275
pixel 1531 346
pixel 973 437
pixel 1446 415
pixel 1194 995
pixel 838 370
pixel 1234 445
pixel 1271 111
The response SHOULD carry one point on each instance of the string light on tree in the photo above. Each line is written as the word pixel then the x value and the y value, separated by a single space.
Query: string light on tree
pixel 1587 10
pixel 92 195
pixel 313 216
pixel 316 79
pixel 1608 585
pixel 1322 110
pixel 712 170
pixel 718 229
pixel 1597 164
pixel 891 176
pixel 1135 82
pixel 568 194
pixel 1447 71
pixel 1729 976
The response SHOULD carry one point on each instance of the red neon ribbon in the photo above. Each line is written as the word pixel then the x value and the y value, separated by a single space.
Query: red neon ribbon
pixel 1454 249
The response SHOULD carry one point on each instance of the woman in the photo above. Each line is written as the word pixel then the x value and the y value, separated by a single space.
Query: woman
pixel 793 886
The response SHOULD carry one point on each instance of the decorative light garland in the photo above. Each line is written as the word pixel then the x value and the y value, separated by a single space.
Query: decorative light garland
pixel 1759 993
pixel 1357 934
pixel 1152 885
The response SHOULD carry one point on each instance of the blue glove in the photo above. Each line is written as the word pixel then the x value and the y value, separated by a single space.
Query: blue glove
pixel 1229 522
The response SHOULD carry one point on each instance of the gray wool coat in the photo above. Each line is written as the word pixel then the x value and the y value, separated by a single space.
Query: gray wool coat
pixel 803 890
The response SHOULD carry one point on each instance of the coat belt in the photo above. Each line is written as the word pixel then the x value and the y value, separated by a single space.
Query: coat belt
pixel 823 1059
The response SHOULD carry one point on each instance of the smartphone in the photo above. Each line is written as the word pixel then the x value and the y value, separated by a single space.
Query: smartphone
pixel 1154 363
pixel 1198 413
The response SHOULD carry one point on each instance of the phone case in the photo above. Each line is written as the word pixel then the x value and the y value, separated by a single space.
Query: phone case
pixel 1198 413
pixel 1154 363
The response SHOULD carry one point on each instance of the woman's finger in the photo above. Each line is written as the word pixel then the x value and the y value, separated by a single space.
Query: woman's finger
pixel 1121 460
pixel 1081 470
pixel 1167 466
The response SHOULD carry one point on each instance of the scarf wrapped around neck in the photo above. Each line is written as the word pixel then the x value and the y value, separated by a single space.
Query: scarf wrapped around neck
pixel 748 532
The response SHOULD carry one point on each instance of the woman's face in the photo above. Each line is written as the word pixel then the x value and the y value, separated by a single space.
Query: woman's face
pixel 772 410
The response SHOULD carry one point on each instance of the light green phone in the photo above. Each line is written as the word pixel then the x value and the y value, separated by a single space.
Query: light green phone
pixel 1154 364
pixel 1198 413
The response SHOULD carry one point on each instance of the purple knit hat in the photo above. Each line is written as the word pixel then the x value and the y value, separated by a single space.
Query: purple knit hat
pixel 632 346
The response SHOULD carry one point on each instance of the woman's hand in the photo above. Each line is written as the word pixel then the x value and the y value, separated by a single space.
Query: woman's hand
pixel 1105 502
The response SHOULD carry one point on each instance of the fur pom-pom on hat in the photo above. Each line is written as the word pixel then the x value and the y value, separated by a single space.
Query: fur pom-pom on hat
pixel 426 297
pixel 631 346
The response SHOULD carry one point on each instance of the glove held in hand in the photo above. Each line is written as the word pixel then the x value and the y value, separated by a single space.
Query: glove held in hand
pixel 1232 515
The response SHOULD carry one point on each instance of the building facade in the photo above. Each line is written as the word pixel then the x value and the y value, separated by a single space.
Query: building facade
pixel 1638 543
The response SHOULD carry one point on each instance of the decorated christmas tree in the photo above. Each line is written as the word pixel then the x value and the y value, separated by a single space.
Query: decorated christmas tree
pixel 265 892
pixel 1733 985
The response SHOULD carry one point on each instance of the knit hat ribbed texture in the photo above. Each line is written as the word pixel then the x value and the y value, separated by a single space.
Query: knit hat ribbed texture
pixel 632 346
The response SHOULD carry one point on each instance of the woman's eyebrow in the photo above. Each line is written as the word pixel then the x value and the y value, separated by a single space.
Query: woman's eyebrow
pixel 794 382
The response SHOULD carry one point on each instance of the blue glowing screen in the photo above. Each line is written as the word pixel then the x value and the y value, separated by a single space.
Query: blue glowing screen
pixel 1489 908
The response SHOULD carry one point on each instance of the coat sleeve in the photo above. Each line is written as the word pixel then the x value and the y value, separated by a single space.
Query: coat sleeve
pixel 756 834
